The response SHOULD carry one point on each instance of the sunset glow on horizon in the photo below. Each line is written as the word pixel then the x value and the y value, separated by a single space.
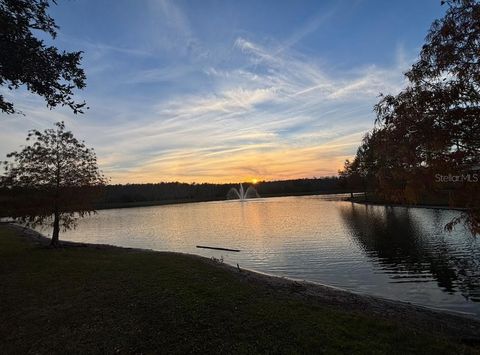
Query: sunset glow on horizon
pixel 207 92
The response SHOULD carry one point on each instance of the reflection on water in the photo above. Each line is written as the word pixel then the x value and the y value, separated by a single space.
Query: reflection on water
pixel 395 239
pixel 397 253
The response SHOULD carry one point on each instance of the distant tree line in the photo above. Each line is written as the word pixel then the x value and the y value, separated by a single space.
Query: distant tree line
pixel 177 191
pixel 426 142
pixel 172 192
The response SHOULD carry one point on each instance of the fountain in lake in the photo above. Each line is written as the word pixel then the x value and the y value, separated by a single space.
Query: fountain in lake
pixel 241 194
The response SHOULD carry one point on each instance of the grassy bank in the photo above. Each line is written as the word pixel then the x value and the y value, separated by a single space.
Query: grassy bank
pixel 87 299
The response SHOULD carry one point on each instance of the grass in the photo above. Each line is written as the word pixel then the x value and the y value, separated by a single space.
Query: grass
pixel 88 300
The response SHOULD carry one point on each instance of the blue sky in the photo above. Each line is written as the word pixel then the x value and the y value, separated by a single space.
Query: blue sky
pixel 228 91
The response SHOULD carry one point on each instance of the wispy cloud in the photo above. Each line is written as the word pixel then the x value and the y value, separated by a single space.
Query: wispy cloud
pixel 274 114
pixel 284 118
pixel 310 26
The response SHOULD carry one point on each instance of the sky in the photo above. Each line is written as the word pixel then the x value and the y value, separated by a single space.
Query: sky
pixel 227 91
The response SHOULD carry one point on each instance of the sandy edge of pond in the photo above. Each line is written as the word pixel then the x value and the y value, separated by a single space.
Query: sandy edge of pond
pixel 413 316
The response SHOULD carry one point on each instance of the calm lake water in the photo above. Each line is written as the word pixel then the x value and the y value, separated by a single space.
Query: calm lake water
pixel 393 252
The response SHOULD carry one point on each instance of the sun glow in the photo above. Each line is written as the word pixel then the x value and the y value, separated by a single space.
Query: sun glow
pixel 254 181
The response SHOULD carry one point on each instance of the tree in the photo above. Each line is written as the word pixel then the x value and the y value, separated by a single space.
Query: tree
pixel 26 61
pixel 53 181
pixel 432 127
pixel 438 114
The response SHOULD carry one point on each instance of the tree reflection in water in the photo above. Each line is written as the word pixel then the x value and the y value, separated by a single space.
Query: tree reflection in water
pixel 394 238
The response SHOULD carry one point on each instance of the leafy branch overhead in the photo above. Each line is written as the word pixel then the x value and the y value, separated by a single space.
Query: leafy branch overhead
pixel 431 128
pixel 27 61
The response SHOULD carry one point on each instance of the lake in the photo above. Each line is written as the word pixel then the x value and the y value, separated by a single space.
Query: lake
pixel 393 252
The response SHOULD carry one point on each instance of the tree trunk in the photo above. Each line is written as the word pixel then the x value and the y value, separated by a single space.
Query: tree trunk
pixel 56 229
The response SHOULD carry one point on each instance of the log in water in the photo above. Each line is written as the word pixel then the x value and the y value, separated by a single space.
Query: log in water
pixel 215 248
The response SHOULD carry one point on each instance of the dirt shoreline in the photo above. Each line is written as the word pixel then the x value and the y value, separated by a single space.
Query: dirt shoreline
pixel 449 323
